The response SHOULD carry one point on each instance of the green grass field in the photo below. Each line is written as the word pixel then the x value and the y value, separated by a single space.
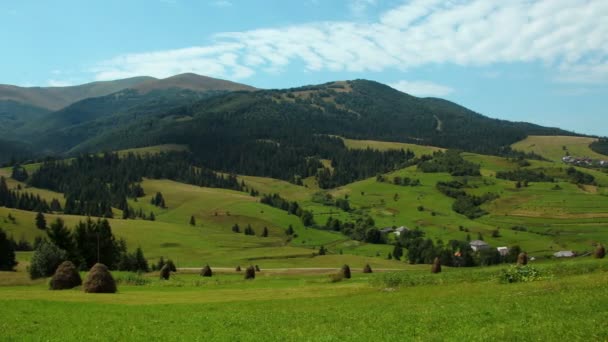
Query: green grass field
pixel 568 302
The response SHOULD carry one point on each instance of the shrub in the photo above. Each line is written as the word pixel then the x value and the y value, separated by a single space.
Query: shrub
pixel 99 280
pixel 165 272
pixel 250 273
pixel 519 274
pixel 206 271
pixel 238 268
pixel 346 271
pixel 367 269
pixel 600 252
pixel 522 259
pixel 66 277
pixel 45 260
pixel 436 268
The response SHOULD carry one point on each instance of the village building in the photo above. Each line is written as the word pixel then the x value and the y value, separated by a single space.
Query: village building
pixel 564 254
pixel 477 245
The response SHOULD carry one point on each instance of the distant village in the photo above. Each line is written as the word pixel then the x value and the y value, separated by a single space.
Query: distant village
pixel 585 161
pixel 479 245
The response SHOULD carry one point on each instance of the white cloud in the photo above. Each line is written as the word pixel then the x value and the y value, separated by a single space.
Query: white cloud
pixel 568 37
pixel 422 88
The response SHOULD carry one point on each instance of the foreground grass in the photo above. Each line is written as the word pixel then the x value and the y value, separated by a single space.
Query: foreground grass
pixel 292 308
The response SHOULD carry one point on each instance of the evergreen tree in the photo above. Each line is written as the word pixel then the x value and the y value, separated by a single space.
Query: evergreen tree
pixel 265 232
pixel 55 206
pixel 140 261
pixel 192 221
pixel 40 221
pixel 61 237
pixel 7 253
pixel 322 250
pixel 152 217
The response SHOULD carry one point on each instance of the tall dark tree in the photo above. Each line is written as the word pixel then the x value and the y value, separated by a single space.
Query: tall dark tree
pixel 7 253
pixel 40 221
pixel 61 237
pixel 192 221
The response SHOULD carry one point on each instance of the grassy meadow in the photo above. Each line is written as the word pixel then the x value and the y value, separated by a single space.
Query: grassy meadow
pixel 568 302
pixel 556 147
pixel 293 298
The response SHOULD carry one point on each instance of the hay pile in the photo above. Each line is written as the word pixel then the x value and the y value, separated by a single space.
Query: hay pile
pixel 522 259
pixel 99 280
pixel 346 271
pixel 66 277
pixel 600 252
pixel 367 269
pixel 250 273
pixel 436 266
pixel 165 272
pixel 206 271
pixel 238 268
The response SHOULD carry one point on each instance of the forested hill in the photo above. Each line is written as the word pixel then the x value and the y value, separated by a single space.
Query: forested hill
pixel 356 109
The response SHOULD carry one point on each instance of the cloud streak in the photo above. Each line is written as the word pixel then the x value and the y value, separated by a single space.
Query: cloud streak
pixel 569 37
pixel 422 88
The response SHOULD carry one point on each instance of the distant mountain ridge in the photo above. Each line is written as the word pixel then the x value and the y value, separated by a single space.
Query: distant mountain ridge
pixel 25 113
pixel 212 115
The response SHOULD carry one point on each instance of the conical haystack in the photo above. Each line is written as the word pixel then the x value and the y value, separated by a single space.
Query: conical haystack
pixel 66 277
pixel 250 273
pixel 436 266
pixel 346 271
pixel 165 272
pixel 99 280
pixel 206 271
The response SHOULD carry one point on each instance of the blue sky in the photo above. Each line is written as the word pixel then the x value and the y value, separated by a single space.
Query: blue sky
pixel 539 61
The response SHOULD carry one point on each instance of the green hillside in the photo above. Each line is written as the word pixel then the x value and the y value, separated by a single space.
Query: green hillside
pixel 556 147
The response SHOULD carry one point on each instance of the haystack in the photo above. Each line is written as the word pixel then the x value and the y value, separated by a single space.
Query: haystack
pixel 99 280
pixel 346 271
pixel 367 269
pixel 600 252
pixel 206 271
pixel 436 266
pixel 250 273
pixel 165 272
pixel 522 259
pixel 66 277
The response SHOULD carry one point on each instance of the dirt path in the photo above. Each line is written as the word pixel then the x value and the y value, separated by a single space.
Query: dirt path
pixel 301 270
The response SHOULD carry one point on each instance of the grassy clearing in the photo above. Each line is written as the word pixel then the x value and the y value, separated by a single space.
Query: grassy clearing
pixel 386 145
pixel 152 150
pixel 555 147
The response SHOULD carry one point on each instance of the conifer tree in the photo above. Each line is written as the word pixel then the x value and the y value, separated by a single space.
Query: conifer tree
pixel 40 221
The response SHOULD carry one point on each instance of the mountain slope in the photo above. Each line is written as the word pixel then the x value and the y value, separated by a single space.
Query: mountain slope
pixel 192 82
pixel 54 98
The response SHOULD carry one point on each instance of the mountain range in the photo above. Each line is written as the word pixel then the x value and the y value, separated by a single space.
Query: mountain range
pixel 200 111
